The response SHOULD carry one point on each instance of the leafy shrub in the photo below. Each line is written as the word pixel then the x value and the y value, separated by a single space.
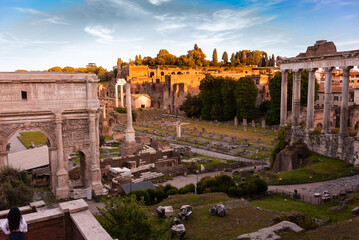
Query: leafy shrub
pixel 15 188
pixel 316 131
pixel 160 195
pixel 167 187
pixel 262 186
pixel 172 192
pixel 142 194
pixel 352 133
pixel 334 130
pixel 188 188
pixel 219 183
pixel 301 220
pixel 152 194
pixel 121 110
pixel 233 192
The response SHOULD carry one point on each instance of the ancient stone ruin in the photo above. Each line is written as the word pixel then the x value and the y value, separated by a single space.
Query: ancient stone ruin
pixel 65 108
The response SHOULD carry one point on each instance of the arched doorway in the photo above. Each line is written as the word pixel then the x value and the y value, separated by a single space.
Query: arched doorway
pixel 77 166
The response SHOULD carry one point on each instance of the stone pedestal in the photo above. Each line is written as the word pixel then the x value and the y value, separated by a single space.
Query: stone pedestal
pixel 62 190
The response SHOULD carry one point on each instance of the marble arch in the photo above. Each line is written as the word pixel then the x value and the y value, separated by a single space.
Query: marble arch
pixel 62 106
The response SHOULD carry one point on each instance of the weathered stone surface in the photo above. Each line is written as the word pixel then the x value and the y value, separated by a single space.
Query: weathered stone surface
pixel 65 108
pixel 221 210
pixel 269 233
pixel 178 230
pixel 355 211
pixel 290 158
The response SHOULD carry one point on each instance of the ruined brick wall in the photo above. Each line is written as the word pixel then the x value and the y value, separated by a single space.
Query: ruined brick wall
pixel 53 229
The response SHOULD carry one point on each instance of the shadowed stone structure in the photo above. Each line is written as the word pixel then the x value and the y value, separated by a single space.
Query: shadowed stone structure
pixel 65 108
pixel 322 55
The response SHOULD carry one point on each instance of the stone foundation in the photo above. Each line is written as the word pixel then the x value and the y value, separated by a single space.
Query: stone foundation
pixel 339 146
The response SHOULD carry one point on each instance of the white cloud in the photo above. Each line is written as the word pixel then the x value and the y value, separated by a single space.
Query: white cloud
pixel 125 5
pixel 30 10
pixel 100 32
pixel 53 20
pixel 158 2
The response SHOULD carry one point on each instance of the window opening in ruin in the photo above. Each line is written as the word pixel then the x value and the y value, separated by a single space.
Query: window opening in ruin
pixel 143 106
pixel 24 95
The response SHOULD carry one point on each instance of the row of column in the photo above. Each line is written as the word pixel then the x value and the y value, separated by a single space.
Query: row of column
pixel 311 99
pixel 121 83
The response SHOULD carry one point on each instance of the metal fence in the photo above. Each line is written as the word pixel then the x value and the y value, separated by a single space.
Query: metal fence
pixel 319 200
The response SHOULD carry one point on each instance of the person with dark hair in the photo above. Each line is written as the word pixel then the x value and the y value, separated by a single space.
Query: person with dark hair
pixel 14 225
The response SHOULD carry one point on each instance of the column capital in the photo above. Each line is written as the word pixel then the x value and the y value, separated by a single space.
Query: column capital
pixel 297 70
pixel 284 71
pixel 346 68
pixel 312 69
pixel 92 110
pixel 328 69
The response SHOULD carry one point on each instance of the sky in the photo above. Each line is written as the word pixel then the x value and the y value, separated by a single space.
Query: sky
pixel 40 34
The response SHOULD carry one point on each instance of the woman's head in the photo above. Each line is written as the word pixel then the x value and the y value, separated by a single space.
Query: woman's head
pixel 13 217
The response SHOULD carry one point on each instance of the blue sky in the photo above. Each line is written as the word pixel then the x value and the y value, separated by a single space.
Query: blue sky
pixel 39 34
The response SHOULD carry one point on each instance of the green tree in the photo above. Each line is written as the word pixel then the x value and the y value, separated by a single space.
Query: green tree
pixel 229 98
pixel 192 106
pixel 55 69
pixel 214 57
pixel 225 58
pixel 197 55
pixel 273 115
pixel 15 188
pixel 126 218
pixel 211 98
pixel 246 92
pixel 68 69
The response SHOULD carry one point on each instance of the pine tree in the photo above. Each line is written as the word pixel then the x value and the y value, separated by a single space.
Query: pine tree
pixel 214 57
pixel 225 58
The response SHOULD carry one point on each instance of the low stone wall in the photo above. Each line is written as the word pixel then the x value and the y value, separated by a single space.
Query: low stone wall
pixel 71 220
pixel 345 148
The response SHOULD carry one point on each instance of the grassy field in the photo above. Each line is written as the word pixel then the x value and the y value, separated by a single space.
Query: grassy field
pixel 320 168
pixel 284 204
pixel 38 138
pixel 241 218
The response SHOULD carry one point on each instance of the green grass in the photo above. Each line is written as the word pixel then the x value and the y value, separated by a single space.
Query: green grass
pixel 284 204
pixel 320 168
pixel 38 138
pixel 241 218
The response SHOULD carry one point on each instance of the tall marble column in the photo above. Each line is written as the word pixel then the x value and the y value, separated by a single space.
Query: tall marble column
pixel 129 132
pixel 345 100
pixel 283 100
pixel 122 105
pixel 296 97
pixel 116 94
pixel 104 111
pixel 62 190
pixel 327 99
pixel 310 99
pixel 95 181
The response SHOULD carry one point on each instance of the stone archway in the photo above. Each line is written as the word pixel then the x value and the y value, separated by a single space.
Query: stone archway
pixel 62 106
